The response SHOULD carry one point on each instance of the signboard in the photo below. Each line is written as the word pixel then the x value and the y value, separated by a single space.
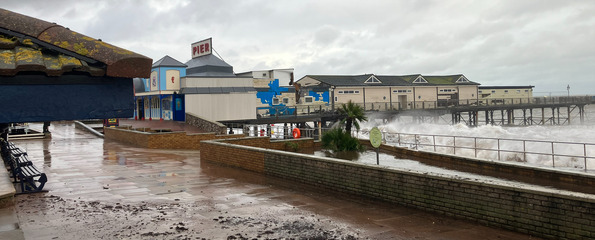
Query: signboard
pixel 202 48
pixel 375 137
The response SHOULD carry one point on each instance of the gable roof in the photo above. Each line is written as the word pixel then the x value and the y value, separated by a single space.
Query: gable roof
pixel 29 44
pixel 168 61
pixel 387 80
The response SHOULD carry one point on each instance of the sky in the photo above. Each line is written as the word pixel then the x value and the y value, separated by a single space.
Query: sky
pixel 549 44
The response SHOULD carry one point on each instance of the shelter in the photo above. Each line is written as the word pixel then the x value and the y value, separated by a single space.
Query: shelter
pixel 50 73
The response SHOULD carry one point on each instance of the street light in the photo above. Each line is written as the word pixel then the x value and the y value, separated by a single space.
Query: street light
pixel 568 90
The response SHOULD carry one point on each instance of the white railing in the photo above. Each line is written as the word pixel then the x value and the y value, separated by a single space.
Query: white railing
pixel 571 155
pixel 567 155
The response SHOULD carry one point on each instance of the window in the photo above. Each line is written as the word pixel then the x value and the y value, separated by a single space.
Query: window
pixel 308 99
pixel 166 104
pixel 479 91
pixel 527 90
pixel 275 101
pixel 372 79
pixel 518 91
pixel 285 100
pixel 493 91
pixel 349 92
pixel 462 79
pixel 155 102
pixel 420 79
pixel 505 91
pixel 336 99
pixel 401 91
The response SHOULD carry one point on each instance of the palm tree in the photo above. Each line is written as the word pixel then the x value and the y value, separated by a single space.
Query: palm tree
pixel 353 115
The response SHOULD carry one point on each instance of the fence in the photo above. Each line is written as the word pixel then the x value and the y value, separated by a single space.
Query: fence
pixel 554 154
pixel 569 155
pixel 328 108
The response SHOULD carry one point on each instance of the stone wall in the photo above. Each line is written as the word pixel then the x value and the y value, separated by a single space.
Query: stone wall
pixel 539 211
pixel 204 124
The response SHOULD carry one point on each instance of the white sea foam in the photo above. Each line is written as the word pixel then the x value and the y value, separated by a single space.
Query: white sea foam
pixel 531 144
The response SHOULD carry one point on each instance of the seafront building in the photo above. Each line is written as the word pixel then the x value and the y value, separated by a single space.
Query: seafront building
pixel 505 94
pixel 389 91
pixel 158 97
pixel 207 87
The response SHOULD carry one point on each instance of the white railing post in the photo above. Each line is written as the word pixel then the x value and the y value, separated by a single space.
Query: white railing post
pixel 553 160
pixel 585 155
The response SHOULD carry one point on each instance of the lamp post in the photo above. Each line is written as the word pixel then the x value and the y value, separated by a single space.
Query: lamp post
pixel 568 90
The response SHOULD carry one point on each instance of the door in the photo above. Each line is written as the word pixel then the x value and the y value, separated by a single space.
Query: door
pixel 402 102
pixel 140 108
pixel 179 107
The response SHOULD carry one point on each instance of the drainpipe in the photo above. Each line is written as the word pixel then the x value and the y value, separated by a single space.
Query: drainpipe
pixel 390 97
pixel 364 91
pixel 332 89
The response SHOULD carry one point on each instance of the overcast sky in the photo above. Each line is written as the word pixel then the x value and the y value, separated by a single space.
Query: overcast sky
pixel 545 43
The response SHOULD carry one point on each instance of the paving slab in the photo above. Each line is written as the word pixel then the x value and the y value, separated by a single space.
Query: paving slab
pixel 101 189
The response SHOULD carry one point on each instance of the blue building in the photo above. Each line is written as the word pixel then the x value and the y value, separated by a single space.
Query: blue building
pixel 157 97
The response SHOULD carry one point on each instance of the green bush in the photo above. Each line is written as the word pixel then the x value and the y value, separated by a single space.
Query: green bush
pixel 339 141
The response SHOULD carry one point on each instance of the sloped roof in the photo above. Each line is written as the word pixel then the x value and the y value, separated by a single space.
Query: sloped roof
pixel 448 79
pixel 168 61
pixel 208 65
pixel 387 80
pixel 29 44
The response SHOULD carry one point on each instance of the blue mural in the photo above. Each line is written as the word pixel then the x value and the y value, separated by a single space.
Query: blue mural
pixel 318 95
pixel 267 98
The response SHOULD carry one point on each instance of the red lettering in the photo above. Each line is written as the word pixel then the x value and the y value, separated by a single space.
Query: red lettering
pixel 172 79
pixel 194 51
pixel 202 48
pixel 207 47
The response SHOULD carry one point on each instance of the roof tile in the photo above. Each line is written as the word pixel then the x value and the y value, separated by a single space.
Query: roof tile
pixel 38 44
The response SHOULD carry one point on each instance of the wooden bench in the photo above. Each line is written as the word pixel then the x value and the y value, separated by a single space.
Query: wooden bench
pixel 22 169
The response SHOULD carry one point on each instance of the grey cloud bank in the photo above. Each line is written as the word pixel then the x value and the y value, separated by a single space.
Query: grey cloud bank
pixel 548 44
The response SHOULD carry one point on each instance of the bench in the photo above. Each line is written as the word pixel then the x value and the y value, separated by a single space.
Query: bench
pixel 22 169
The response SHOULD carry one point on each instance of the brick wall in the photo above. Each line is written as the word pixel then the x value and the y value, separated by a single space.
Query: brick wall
pixel 569 180
pixel 165 140
pixel 542 212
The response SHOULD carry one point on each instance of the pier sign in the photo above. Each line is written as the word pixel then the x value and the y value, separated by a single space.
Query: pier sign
pixel 202 48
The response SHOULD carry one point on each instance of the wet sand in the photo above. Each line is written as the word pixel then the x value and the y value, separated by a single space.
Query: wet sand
pixel 106 190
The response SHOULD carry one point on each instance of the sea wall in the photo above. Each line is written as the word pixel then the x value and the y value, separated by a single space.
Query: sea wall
pixel 539 211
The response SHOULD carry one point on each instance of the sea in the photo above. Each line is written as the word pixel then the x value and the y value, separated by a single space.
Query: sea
pixel 566 146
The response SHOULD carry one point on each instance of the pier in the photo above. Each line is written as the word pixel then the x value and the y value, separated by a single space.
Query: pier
pixel 503 112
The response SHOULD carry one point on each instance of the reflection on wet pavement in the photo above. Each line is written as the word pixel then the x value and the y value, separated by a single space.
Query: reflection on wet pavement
pixel 104 189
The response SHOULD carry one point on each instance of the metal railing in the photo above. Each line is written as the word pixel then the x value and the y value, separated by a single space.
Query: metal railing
pixel 538 152
pixel 327 108
pixel 567 155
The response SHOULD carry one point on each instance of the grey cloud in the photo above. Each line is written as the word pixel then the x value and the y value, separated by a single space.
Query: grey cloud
pixel 540 43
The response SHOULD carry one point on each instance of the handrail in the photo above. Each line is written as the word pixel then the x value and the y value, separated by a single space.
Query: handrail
pixel 557 157
pixel 555 154
pixel 328 108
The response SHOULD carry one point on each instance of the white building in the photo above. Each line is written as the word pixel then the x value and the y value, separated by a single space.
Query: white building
pixel 211 89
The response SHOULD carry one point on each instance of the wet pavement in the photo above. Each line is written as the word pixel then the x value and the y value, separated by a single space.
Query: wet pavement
pixel 100 189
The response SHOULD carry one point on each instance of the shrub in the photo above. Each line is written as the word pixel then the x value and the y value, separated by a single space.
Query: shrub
pixel 339 141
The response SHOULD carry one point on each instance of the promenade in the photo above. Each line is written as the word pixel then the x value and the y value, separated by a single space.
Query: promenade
pixel 100 189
